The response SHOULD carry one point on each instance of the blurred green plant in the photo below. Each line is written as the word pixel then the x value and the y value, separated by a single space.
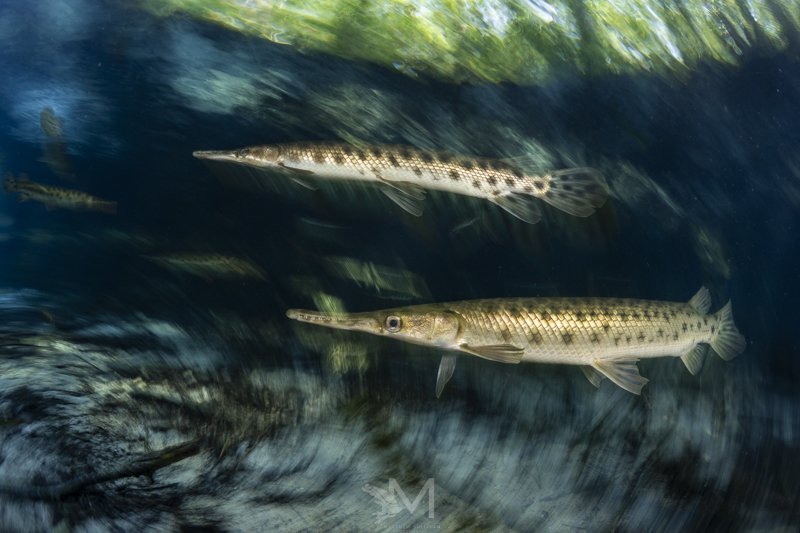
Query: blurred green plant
pixel 520 41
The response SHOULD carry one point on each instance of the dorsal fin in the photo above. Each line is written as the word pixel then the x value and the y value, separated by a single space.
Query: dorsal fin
pixel 701 301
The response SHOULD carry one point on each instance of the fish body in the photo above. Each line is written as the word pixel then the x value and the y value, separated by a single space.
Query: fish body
pixel 56 197
pixel 405 173
pixel 209 266
pixel 605 337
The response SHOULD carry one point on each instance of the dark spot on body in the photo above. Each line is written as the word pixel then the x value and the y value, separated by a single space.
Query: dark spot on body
pixel 705 321
pixel 606 326
pixel 628 339
pixel 517 174
pixel 579 315
pixel 510 182
pixel 393 161
pixel 417 171
pixel 426 157
pixel 685 327
pixel 713 328
pixel 405 153
pixel 675 336
pixel 338 158
pixel 527 188
pixel 539 185
pixel 640 336
pixel 536 337
pixel 660 332
pixel 492 180
pixel 482 165
pixel 636 316
pixel 377 152
pixel 318 157
pixel 454 174
pixel 646 313
pixel 545 316
pixel 467 164
pixel 445 157
pixel 665 316
pixel 362 155
pixel 616 341
pixel 698 325
pixel 594 338
pixel 347 150
pixel 567 338
pixel 476 184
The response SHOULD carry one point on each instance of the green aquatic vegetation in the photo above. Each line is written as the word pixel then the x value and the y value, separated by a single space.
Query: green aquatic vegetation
pixel 520 41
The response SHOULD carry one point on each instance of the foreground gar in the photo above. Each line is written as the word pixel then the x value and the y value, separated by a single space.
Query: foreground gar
pixel 405 173
pixel 605 336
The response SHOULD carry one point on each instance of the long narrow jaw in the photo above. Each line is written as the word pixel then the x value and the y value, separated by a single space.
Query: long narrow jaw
pixel 351 322
pixel 228 156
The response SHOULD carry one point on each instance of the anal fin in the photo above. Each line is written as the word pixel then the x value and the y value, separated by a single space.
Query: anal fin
pixel 523 206
pixel 446 368
pixel 693 359
pixel 592 375
pixel 499 353
pixel 624 373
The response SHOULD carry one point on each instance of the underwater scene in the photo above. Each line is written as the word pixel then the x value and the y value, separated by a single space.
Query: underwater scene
pixel 395 265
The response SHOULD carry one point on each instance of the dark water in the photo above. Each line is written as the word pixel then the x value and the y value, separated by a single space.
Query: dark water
pixel 107 357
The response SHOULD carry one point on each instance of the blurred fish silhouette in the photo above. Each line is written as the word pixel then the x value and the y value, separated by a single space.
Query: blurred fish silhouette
pixel 56 197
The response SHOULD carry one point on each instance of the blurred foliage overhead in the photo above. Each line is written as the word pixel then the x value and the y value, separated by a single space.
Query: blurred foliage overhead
pixel 520 41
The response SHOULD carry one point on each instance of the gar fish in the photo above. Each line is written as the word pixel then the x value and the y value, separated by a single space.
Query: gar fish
pixel 606 337
pixel 209 266
pixel 56 197
pixel 405 173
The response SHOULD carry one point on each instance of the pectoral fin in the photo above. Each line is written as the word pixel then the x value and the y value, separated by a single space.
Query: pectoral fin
pixel 500 353
pixel 408 197
pixel 592 375
pixel 446 368
pixel 302 171
pixel 624 373
pixel 303 183
pixel 522 206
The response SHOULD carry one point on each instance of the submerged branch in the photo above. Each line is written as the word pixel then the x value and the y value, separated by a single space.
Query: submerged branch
pixel 144 465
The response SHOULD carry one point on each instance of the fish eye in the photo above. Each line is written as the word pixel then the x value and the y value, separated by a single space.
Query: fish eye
pixel 393 323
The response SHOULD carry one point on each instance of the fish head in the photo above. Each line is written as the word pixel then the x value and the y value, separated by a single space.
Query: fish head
pixel 433 327
pixel 253 156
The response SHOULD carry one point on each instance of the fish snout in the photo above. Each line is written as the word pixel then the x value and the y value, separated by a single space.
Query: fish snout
pixel 215 155
pixel 344 321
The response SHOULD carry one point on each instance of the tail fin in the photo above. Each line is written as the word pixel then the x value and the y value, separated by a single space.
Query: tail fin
pixel 106 207
pixel 577 191
pixel 727 342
